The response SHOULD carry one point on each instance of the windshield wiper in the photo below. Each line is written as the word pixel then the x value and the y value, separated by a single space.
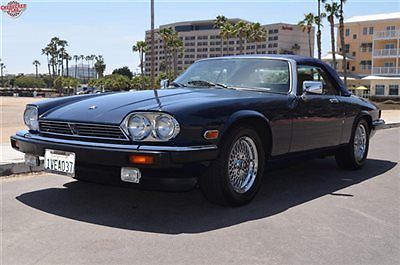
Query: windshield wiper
pixel 207 83
pixel 175 84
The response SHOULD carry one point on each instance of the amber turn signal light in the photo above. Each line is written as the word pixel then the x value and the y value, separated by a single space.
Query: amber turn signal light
pixel 211 134
pixel 141 159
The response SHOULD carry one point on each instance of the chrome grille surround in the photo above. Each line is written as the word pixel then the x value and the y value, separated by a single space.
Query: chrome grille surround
pixel 82 130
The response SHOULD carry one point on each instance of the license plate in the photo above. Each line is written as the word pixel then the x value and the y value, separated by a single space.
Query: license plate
pixel 59 162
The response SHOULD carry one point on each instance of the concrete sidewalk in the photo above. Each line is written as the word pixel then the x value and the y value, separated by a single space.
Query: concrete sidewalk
pixel 12 162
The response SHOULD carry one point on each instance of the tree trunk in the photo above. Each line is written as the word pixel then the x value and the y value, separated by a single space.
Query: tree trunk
pixel 240 44
pixel 66 64
pixel 76 67
pixel 36 66
pixel 309 42
pixel 175 62
pixel 222 45
pixel 332 23
pixel 342 44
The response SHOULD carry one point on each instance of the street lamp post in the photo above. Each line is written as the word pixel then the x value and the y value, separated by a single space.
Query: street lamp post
pixel 152 77
pixel 2 66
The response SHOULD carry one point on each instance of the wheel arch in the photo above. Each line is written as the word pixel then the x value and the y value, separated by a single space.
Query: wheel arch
pixel 255 119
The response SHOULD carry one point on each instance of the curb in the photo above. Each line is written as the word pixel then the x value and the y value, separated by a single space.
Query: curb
pixel 20 167
pixel 391 125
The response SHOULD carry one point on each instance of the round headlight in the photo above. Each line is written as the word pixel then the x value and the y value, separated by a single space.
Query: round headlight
pixel 165 127
pixel 139 127
pixel 31 118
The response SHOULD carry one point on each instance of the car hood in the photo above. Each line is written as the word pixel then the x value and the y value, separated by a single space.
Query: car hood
pixel 113 107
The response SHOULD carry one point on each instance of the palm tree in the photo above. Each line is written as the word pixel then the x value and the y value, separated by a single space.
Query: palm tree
pixel 46 51
pixel 152 63
pixel 82 57
pixel 342 44
pixel 256 34
pixel 332 11
pixel 227 31
pixel 87 59
pixel 76 58
pixel 67 59
pixel 36 63
pixel 241 29
pixel 141 48
pixel 319 15
pixel 219 23
pixel 100 66
pixel 176 45
pixel 306 25
pixel 166 35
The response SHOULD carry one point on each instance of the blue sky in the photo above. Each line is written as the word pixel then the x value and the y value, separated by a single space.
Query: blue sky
pixel 111 28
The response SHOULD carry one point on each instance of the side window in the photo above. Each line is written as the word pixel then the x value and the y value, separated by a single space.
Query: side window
pixel 313 73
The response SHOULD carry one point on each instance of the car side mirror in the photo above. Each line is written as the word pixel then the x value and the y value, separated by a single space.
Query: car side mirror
pixel 164 83
pixel 312 87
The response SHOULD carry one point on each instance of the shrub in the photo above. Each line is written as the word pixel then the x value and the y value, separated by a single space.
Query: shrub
pixel 29 82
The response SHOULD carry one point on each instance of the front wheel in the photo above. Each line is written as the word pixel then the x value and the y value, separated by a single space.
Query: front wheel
pixel 353 156
pixel 235 176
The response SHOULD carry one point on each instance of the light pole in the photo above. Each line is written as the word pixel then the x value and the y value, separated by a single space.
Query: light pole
pixel 152 77
pixel 2 66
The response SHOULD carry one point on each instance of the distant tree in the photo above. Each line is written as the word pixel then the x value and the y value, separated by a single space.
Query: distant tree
pixel 218 24
pixel 100 66
pixel 137 82
pixel 141 48
pixel 36 63
pixel 29 82
pixel 123 71
pixel 306 25
pixel 65 84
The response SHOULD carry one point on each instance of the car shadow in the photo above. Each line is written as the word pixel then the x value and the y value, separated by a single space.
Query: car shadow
pixel 189 212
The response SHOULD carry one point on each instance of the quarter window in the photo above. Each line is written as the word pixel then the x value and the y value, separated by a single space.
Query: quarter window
pixel 313 73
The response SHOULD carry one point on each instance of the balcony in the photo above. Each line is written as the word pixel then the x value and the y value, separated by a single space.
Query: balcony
pixel 386 53
pixel 386 71
pixel 387 35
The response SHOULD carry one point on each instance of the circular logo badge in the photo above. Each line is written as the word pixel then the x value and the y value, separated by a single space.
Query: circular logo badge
pixel 13 9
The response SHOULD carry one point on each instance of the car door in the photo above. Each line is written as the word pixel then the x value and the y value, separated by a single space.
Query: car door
pixel 318 117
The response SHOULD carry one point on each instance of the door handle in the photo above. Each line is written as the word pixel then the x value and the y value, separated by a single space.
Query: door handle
pixel 333 100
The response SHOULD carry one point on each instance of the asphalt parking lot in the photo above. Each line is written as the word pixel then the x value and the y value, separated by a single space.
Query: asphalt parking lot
pixel 307 213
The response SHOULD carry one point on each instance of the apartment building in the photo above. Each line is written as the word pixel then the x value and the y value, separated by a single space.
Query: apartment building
pixel 373 48
pixel 202 40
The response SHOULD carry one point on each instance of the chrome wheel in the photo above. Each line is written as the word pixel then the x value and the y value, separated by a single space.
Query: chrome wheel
pixel 243 164
pixel 360 142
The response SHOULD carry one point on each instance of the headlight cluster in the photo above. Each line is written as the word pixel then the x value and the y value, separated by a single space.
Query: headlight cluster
pixel 31 118
pixel 151 126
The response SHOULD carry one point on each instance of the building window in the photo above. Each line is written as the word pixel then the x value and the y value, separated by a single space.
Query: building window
pixel 371 30
pixel 353 53
pixel 347 32
pixel 354 36
pixel 365 31
pixel 353 68
pixel 379 90
pixel 347 48
pixel 393 90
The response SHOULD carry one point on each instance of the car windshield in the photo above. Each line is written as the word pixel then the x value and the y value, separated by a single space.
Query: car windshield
pixel 245 73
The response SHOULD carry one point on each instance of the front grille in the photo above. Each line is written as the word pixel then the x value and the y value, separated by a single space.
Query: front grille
pixel 82 130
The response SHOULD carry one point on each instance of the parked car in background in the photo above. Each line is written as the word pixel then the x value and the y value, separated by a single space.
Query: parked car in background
pixel 218 124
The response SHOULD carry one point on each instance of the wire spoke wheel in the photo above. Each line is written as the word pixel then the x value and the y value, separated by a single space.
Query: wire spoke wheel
pixel 360 142
pixel 243 164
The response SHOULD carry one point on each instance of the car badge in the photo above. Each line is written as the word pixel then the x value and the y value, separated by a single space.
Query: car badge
pixel 73 128
pixel 92 107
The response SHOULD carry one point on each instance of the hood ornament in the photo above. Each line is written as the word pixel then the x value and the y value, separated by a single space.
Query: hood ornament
pixel 92 107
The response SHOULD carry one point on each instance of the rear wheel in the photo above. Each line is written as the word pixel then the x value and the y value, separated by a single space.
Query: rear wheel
pixel 235 176
pixel 353 156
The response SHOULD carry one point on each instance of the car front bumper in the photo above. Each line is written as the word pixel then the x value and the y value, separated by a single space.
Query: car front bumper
pixel 100 159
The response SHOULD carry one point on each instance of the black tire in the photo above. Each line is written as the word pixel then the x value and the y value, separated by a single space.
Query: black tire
pixel 345 157
pixel 215 183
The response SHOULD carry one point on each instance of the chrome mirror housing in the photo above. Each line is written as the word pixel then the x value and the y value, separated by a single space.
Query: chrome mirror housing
pixel 164 83
pixel 312 87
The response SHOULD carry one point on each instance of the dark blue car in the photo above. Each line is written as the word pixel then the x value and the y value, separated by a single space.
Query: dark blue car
pixel 217 125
